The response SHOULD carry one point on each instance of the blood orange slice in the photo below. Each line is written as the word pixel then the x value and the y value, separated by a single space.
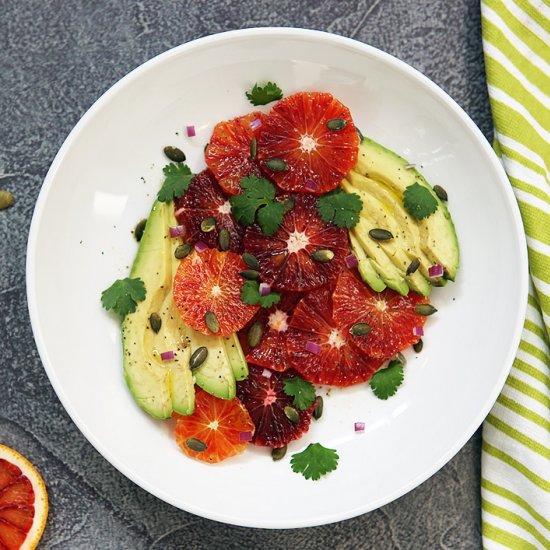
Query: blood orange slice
pixel 207 290
pixel 262 393
pixel 286 261
pixel 204 199
pixel 391 316
pixel 321 349
pixel 23 502
pixel 221 428
pixel 229 154
pixel 314 135
pixel 271 351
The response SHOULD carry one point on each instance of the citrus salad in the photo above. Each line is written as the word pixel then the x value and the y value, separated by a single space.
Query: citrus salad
pixel 302 256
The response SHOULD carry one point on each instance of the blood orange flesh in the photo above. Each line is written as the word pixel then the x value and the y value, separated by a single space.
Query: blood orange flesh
pixel 391 316
pixel 223 426
pixel 316 157
pixel 209 282
pixel 339 362
pixel 229 153
pixel 285 258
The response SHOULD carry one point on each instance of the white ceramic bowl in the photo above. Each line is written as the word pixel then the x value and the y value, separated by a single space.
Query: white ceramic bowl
pixel 103 181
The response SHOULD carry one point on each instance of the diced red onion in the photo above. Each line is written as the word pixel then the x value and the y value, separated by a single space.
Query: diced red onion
pixel 245 436
pixel 255 124
pixel 177 231
pixel 351 261
pixel 200 246
pixel 313 347
pixel 266 373
pixel 359 426
pixel 418 331
pixel 310 185
pixel 265 289
pixel 191 131
pixel 167 355
pixel 436 270
pixel 409 166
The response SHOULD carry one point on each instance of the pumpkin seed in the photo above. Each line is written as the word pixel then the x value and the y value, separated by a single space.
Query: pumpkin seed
pixel 139 229
pixel 441 193
pixel 174 154
pixel 278 453
pixel 196 445
pixel 425 309
pixel 276 165
pixel 208 224
pixel 292 414
pixel 288 205
pixel 155 322
pixel 182 251
pixel 413 266
pixel 253 148
pixel 360 329
pixel 336 124
pixel 250 274
pixel 380 234
pixel 318 410
pixel 198 358
pixel 323 255
pixel 418 346
pixel 224 238
pixel 254 335
pixel 212 322
pixel 359 133
pixel 401 358
pixel 250 261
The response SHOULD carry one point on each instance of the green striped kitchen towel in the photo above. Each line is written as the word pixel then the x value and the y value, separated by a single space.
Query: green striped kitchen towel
pixel 515 484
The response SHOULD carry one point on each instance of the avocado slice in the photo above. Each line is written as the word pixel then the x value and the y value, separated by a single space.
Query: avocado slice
pixel 159 387
pixel 236 357
pixel 438 238
pixel 365 267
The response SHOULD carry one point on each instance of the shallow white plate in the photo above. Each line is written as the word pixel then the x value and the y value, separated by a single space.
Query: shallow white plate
pixel 103 181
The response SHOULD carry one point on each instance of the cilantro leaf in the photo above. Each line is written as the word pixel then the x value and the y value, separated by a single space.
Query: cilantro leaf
pixel 257 201
pixel 302 391
pixel 262 95
pixel 340 208
pixel 250 294
pixel 176 181
pixel 122 296
pixel 419 201
pixel 315 461
pixel 385 382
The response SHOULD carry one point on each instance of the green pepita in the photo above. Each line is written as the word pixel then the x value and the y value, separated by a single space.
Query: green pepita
pixel 336 124
pixel 380 234
pixel 323 255
pixel 254 335
pixel 212 322
pixel 196 445
pixel 360 329
pixel 318 410
pixel 278 453
pixel 401 358
pixel 413 266
pixel 224 238
pixel 288 205
pixel 424 309
pixel 251 261
pixel 139 229
pixel 174 154
pixel 155 322
pixel 208 224
pixel 198 358
pixel 359 133
pixel 441 193
pixel 418 346
pixel 276 165
pixel 253 148
pixel 250 274
pixel 292 414
pixel 182 251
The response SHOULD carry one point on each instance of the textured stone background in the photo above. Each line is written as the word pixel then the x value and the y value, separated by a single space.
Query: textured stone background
pixel 56 58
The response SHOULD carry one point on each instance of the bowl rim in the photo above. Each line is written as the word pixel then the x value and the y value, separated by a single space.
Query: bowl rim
pixel 311 36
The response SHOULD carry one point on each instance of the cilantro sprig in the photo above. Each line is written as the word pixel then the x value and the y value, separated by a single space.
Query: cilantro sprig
pixel 301 390
pixel 257 202
pixel 250 294
pixel 123 295
pixel 385 382
pixel 314 461
pixel 419 201
pixel 340 208
pixel 262 95
pixel 176 181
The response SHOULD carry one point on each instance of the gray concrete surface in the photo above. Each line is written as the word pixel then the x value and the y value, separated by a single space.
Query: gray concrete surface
pixel 56 58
